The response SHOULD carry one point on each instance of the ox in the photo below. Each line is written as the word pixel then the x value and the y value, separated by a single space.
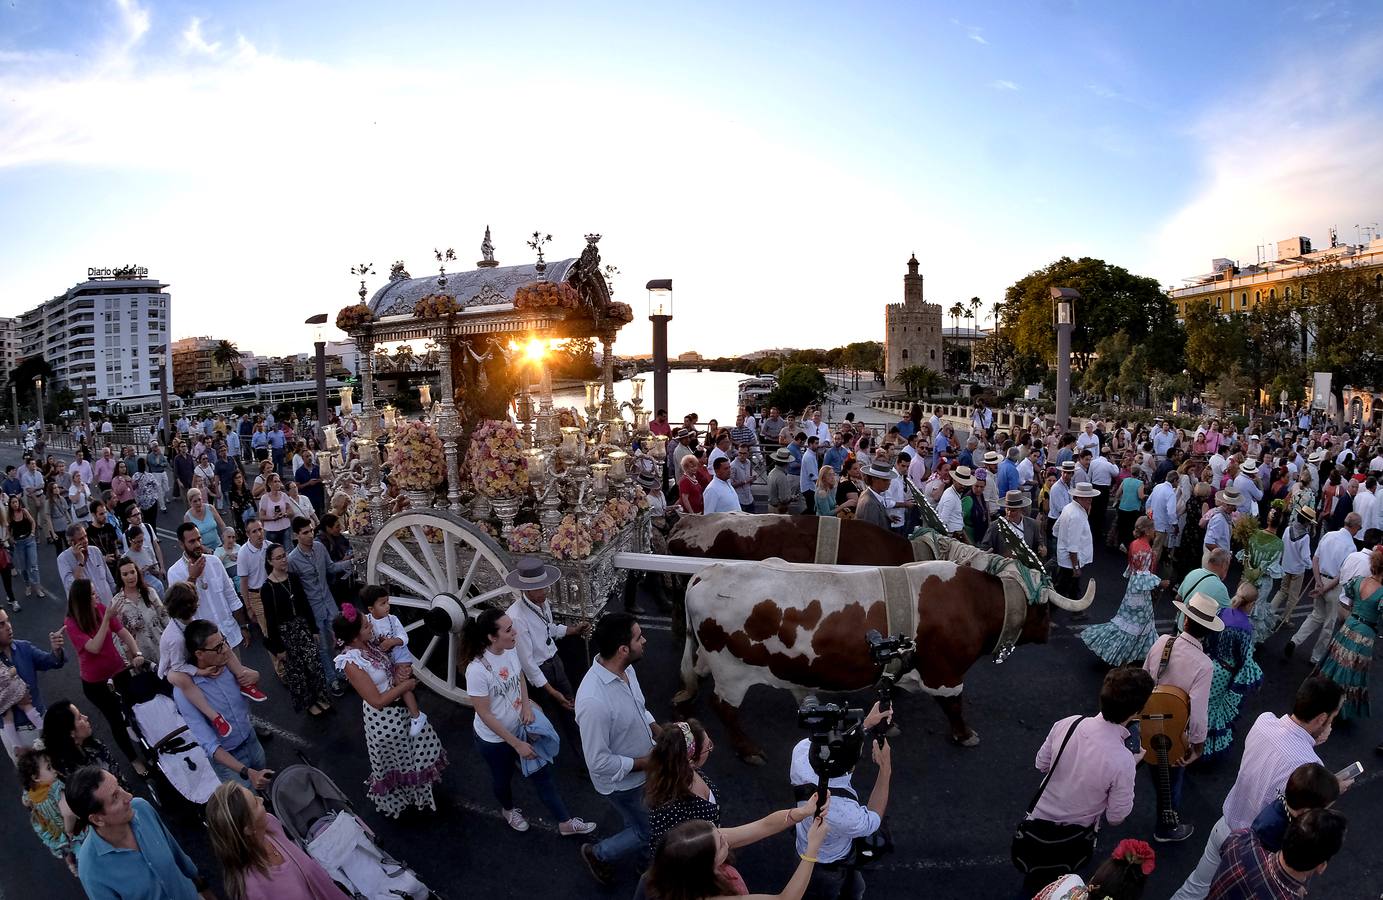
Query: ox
pixel 802 627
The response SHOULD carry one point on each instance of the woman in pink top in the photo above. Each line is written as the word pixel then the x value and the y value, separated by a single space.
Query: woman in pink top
pixel 258 860
pixel 92 628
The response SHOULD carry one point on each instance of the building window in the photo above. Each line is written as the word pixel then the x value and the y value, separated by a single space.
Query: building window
pixel 1272 295
pixel 1218 303
pixel 933 353
pixel 905 353
pixel 1243 299
pixel 1257 298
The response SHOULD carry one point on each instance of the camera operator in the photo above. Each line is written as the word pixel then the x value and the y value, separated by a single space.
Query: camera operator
pixel 837 874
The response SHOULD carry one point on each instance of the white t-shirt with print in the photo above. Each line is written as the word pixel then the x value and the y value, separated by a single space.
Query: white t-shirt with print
pixel 499 677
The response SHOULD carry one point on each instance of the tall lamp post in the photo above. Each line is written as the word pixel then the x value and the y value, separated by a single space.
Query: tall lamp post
pixel 660 313
pixel 162 359
pixel 38 398
pixel 14 404
pixel 318 323
pixel 1064 303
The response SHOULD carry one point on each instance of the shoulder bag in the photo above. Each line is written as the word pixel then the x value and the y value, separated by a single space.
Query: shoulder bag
pixel 1051 849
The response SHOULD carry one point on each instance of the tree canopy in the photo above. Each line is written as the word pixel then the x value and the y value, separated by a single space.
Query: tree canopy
pixel 798 386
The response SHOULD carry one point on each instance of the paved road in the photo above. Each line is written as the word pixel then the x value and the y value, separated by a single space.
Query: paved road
pixel 952 809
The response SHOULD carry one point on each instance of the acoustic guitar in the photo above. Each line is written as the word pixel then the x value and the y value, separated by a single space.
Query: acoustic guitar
pixel 1162 731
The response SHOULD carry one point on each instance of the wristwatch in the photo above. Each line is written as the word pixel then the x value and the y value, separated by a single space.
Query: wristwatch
pixel 245 772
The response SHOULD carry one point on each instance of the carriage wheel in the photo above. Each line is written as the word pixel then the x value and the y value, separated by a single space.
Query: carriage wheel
pixel 440 570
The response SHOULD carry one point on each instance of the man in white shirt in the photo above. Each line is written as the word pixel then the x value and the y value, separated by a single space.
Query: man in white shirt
pixel 1365 504
pixel 818 428
pixel 1058 497
pixel 807 478
pixel 721 450
pixel 80 465
pixel 742 477
pixel 1246 483
pixel 1102 475
pixel 1088 440
pixel 1219 461
pixel 538 632
pixel 1163 437
pixel 1075 546
pixel 1296 559
pixel 720 496
pixel 917 467
pixel 1330 557
pixel 900 496
pixel 250 566
pixel 951 508
pixel 216 598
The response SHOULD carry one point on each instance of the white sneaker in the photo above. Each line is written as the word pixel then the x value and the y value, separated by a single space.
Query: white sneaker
pixel 416 726
pixel 576 826
pixel 515 819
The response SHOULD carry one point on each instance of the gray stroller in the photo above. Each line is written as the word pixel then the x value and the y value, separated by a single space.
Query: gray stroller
pixel 318 817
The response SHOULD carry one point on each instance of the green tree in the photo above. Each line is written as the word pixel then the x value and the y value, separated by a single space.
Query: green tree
pixel 225 353
pixel 995 353
pixel 1102 373
pixel 955 312
pixel 22 378
pixel 798 387
pixel 1343 309
pixel 1112 300
pixel 919 381
pixel 1134 375
pixel 1213 343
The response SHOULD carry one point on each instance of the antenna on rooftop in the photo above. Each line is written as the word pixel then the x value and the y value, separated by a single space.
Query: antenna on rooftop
pixel 1367 232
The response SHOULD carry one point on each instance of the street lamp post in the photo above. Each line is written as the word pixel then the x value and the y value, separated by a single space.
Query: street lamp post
pixel 14 403
pixel 660 313
pixel 38 398
pixel 167 428
pixel 1064 301
pixel 318 323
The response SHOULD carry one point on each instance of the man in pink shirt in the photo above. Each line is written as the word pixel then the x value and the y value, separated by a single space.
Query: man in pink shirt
pixel 1180 661
pixel 1094 777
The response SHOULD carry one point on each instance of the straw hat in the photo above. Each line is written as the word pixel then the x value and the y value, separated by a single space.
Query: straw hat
pixel 1249 467
pixel 1229 497
pixel 1084 489
pixel 782 455
pixel 882 470
pixel 1308 513
pixel 962 475
pixel 1068 466
pixel 1203 610
pixel 531 574
pixel 992 458
pixel 1316 457
pixel 1016 500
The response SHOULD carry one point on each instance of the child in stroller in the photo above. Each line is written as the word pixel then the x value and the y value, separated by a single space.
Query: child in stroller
pixel 181 767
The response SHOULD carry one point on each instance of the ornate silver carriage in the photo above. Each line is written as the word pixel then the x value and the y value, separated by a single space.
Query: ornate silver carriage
pixel 438 506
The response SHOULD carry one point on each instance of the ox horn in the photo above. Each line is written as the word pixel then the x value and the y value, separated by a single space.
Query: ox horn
pixel 1060 602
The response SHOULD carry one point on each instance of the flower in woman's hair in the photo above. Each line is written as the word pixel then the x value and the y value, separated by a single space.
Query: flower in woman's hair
pixel 349 612
pixel 1135 852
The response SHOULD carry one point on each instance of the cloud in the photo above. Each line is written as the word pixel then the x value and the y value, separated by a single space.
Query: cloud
pixel 1257 191
pixel 134 19
pixel 1003 84
pixel 973 32
pixel 194 42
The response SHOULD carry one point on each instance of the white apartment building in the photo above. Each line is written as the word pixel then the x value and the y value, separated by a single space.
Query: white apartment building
pixel 103 336
pixel 9 346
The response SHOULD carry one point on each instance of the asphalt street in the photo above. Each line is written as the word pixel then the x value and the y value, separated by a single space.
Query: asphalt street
pixel 952 809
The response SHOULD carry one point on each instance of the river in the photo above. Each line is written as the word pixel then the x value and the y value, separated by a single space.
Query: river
pixel 711 395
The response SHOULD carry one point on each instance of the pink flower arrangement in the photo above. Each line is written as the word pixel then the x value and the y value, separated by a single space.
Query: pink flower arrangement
pixel 416 460
pixel 358 516
pixel 546 295
pixel 571 540
pixel 495 459
pixel 603 528
pixel 526 538
pixel 489 528
pixel 435 306
pixel 620 510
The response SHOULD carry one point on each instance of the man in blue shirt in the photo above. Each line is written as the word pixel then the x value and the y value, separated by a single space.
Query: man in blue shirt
pixel 1009 479
pixel 276 444
pixel 28 661
pixel 128 851
pixel 238 756
pixel 11 485
pixel 942 444
pixel 836 454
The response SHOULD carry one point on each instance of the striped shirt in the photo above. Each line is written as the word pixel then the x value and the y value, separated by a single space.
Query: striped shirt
pixel 1273 749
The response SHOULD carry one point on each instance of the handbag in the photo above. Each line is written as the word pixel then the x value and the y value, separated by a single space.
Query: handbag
pixel 5 560
pixel 1040 846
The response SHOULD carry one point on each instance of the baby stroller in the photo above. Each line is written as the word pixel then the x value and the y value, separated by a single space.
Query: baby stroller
pixel 318 817
pixel 181 777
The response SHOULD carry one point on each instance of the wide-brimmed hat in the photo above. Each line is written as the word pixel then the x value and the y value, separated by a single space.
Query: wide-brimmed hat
pixel 1249 467
pixel 1308 513
pixel 782 455
pixel 878 469
pixel 1084 489
pixel 648 479
pixel 1316 457
pixel 1016 500
pixel 1230 496
pixel 685 433
pixel 992 458
pixel 963 475
pixel 1203 610
pixel 1068 466
pixel 531 574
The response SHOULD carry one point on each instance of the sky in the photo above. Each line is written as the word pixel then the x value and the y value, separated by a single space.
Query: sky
pixel 778 161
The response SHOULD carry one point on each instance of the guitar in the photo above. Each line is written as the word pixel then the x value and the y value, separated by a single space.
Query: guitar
pixel 1162 731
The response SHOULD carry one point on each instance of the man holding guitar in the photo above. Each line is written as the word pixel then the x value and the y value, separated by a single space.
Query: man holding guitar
pixel 1173 723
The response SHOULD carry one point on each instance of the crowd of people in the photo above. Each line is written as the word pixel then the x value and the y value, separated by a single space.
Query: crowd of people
pixel 1296 505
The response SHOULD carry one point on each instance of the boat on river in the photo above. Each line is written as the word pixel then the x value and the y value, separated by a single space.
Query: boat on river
pixel 753 391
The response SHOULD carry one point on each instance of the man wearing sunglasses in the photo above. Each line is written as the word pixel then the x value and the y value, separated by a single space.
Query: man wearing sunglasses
pixel 238 756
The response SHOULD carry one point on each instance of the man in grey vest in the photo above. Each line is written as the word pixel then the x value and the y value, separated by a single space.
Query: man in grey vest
pixel 874 504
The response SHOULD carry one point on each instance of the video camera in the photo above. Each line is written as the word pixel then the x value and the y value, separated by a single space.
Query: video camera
pixel 895 655
pixel 836 740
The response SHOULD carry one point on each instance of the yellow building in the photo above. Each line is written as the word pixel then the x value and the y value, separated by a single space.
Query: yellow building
pixel 1229 288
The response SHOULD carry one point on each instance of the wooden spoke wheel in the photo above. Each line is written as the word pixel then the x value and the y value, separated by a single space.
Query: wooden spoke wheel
pixel 440 571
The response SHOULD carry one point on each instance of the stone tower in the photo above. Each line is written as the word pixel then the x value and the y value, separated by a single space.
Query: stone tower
pixel 912 330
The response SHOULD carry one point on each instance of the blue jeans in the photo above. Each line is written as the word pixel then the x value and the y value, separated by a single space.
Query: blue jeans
pixel 635 836
pixel 26 559
pixel 250 753
pixel 503 761
pixel 323 613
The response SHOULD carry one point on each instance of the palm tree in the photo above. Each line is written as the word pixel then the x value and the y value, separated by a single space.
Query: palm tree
pixel 957 310
pixel 225 353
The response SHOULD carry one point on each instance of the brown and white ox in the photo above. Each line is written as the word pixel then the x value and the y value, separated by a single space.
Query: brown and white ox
pixel 802 626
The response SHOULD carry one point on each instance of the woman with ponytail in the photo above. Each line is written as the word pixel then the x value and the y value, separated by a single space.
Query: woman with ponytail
pixel 403 766
pixel 1122 876
pixel 503 715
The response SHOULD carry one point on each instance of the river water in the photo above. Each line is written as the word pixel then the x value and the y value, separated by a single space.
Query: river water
pixel 711 395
